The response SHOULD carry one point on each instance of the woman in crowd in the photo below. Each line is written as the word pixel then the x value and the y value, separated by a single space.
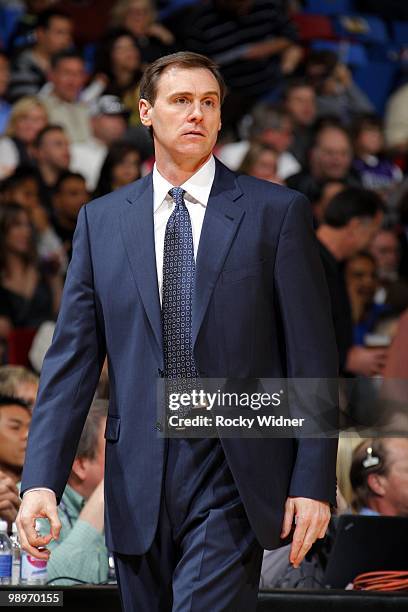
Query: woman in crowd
pixel 27 118
pixel 118 70
pixel 23 187
pixel 138 16
pixel 261 161
pixel 29 295
pixel 361 281
pixel 121 167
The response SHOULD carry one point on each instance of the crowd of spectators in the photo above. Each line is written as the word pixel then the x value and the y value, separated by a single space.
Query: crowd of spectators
pixel 297 113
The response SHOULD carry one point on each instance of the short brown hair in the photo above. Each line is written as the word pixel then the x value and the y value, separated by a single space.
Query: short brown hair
pixel 182 59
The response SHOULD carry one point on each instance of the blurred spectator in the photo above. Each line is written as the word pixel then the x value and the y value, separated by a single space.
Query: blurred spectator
pixel 337 94
pixel 261 161
pixel 325 192
pixel 91 19
pixel 118 70
pixel 29 295
pixel 69 195
pixel 361 282
pixel 299 100
pixel 15 418
pixel 272 126
pixel 330 158
pixel 19 382
pixel 53 34
pixel 23 34
pixel 374 169
pixel 5 107
pixel 139 17
pixel 396 121
pixel 9 498
pixel 252 41
pixel 24 188
pixel 27 118
pixel 351 220
pixel 80 552
pixel 108 122
pixel 121 167
pixel 53 158
pixel 395 382
pixel 67 77
pixel 402 207
pixel 391 289
pixel 379 477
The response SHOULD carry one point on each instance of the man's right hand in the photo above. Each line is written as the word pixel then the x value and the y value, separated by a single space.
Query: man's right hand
pixel 37 504
pixel 9 498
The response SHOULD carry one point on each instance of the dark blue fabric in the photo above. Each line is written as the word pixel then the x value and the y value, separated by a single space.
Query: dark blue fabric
pixel 204 554
pixel 260 309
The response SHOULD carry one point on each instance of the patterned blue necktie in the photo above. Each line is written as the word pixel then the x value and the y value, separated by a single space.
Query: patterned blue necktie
pixel 178 287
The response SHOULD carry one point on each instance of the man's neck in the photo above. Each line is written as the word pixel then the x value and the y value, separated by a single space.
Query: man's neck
pixel 178 172
pixel 48 174
pixel 333 240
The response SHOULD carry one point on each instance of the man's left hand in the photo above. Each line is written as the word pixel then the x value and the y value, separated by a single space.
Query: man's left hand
pixel 311 518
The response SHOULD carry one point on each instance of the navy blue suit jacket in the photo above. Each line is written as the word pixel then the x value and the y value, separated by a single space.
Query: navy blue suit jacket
pixel 261 309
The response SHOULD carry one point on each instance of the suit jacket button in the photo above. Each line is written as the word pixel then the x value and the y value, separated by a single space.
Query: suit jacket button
pixel 159 426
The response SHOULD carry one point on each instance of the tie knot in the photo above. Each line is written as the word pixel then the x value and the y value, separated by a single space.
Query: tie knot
pixel 177 193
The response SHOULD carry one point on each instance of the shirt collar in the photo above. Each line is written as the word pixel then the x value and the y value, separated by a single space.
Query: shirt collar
pixel 198 186
pixel 74 501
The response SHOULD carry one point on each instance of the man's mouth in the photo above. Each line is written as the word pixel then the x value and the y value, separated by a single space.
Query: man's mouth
pixel 194 133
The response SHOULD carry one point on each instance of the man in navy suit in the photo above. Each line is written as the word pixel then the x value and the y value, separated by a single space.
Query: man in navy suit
pixel 187 519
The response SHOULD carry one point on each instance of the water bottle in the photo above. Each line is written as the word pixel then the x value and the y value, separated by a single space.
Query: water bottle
pixel 33 570
pixel 16 555
pixel 5 555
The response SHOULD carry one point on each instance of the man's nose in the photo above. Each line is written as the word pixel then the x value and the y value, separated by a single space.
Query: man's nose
pixel 196 112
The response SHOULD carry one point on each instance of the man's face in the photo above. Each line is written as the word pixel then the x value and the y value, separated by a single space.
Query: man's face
pixel 331 156
pixel 14 426
pixel 57 37
pixel 396 481
pixel 186 115
pixel 109 128
pixel 68 78
pixel 385 248
pixel 301 104
pixel 280 139
pixel 361 232
pixel 54 149
pixel 71 196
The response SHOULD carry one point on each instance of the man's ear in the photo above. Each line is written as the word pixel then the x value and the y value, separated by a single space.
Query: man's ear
pixel 376 484
pixel 79 468
pixel 145 109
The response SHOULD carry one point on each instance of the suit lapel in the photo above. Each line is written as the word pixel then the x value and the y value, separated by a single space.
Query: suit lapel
pixel 221 221
pixel 138 235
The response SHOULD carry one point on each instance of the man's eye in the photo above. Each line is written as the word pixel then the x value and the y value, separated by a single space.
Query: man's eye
pixel 209 102
pixel 181 100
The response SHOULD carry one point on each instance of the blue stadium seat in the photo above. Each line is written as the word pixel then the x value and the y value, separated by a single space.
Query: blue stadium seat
pixel 8 19
pixel 376 79
pixel 352 54
pixel 400 33
pixel 362 28
pixel 329 7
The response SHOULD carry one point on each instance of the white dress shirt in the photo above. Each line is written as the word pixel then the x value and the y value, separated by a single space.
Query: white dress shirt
pixel 197 190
